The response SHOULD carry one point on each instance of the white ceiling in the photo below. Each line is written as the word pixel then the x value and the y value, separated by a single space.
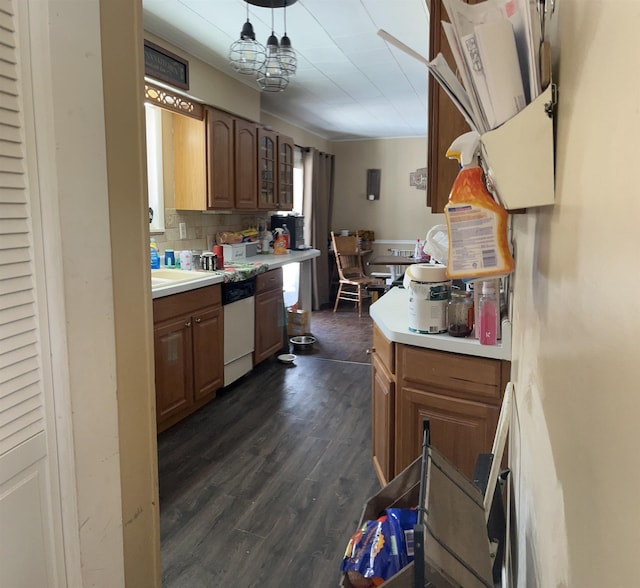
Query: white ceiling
pixel 350 83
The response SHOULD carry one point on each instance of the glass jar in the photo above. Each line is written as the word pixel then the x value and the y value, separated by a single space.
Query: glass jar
pixel 460 314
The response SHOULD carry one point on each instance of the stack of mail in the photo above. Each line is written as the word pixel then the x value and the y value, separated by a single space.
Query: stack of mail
pixel 496 52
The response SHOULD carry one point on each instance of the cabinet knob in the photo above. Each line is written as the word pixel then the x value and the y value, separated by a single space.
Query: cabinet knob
pixel 371 350
pixel 188 324
pixel 198 320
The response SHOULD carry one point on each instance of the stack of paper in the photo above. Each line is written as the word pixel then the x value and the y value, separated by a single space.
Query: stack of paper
pixel 495 50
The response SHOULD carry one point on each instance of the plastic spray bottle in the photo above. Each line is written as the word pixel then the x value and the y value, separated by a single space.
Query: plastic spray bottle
pixel 476 223
pixel 279 242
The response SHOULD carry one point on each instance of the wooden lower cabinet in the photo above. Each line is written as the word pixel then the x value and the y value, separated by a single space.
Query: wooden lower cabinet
pixel 459 394
pixel 208 372
pixel 174 373
pixel 269 315
pixel 188 340
pixel 383 396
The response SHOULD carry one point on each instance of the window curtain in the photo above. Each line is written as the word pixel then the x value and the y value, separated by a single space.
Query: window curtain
pixel 317 206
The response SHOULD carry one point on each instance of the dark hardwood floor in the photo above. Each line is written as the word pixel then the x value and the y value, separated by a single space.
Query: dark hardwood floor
pixel 265 484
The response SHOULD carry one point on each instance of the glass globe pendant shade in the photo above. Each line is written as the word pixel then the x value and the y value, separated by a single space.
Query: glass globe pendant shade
pixel 287 55
pixel 247 55
pixel 272 77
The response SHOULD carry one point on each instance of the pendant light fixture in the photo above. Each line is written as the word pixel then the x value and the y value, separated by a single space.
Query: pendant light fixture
pixel 247 55
pixel 271 76
pixel 288 58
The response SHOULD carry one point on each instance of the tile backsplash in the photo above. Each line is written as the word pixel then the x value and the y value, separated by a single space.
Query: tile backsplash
pixel 199 225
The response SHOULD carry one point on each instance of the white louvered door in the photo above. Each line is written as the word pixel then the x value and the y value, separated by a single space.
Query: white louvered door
pixel 31 553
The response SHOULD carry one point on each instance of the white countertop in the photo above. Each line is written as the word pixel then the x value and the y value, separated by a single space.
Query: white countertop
pixel 203 278
pixel 274 261
pixel 391 314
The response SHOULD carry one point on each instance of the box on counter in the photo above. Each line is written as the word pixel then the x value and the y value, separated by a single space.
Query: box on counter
pixel 297 322
pixel 240 251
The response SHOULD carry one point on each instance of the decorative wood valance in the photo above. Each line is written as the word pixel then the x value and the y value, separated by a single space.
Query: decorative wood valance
pixel 166 99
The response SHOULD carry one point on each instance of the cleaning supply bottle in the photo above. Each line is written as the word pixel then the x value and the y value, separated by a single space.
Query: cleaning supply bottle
pixel 279 243
pixel 155 255
pixel 488 315
pixel 476 223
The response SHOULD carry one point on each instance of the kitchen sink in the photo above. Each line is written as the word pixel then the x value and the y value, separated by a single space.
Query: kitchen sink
pixel 161 277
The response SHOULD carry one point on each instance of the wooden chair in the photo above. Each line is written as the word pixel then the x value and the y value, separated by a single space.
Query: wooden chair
pixel 352 279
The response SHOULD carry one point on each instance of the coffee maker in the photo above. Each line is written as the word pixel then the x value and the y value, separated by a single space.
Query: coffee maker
pixel 295 226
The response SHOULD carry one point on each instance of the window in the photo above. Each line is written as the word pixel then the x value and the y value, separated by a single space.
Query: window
pixel 153 119
pixel 298 180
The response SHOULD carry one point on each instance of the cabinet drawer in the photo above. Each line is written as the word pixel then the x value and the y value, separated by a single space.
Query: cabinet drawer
pixel 463 375
pixel 186 302
pixel 271 280
pixel 384 349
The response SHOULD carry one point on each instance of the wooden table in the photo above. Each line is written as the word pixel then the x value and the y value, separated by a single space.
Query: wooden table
pixel 392 260
pixel 395 264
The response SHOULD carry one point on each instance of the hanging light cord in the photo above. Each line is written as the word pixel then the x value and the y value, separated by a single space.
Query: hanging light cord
pixel 285 18
pixel 272 28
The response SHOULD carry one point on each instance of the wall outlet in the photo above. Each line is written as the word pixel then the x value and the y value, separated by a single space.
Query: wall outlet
pixel 183 230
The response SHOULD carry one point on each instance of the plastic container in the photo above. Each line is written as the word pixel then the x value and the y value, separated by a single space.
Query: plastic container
pixel 429 291
pixel 169 258
pixel 488 313
pixel 460 314
pixel 186 260
pixel 155 254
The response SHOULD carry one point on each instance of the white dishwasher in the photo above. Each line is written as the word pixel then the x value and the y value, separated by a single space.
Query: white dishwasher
pixel 238 299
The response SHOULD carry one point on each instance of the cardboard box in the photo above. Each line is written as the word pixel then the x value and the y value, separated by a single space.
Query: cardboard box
pixel 296 330
pixel 297 317
pixel 456 543
pixel 297 322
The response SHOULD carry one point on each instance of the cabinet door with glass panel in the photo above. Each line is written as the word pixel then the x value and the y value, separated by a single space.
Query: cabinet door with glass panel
pixel 267 169
pixel 285 172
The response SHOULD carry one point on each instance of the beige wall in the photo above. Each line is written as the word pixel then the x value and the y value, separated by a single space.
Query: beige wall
pixel 78 108
pixel 211 86
pixel 576 317
pixel 128 213
pixel 401 213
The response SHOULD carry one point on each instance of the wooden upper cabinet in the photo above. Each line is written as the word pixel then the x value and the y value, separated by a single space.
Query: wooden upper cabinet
pixel 445 121
pixel 267 169
pixel 226 163
pixel 189 162
pixel 246 164
pixel 285 172
pixel 220 159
